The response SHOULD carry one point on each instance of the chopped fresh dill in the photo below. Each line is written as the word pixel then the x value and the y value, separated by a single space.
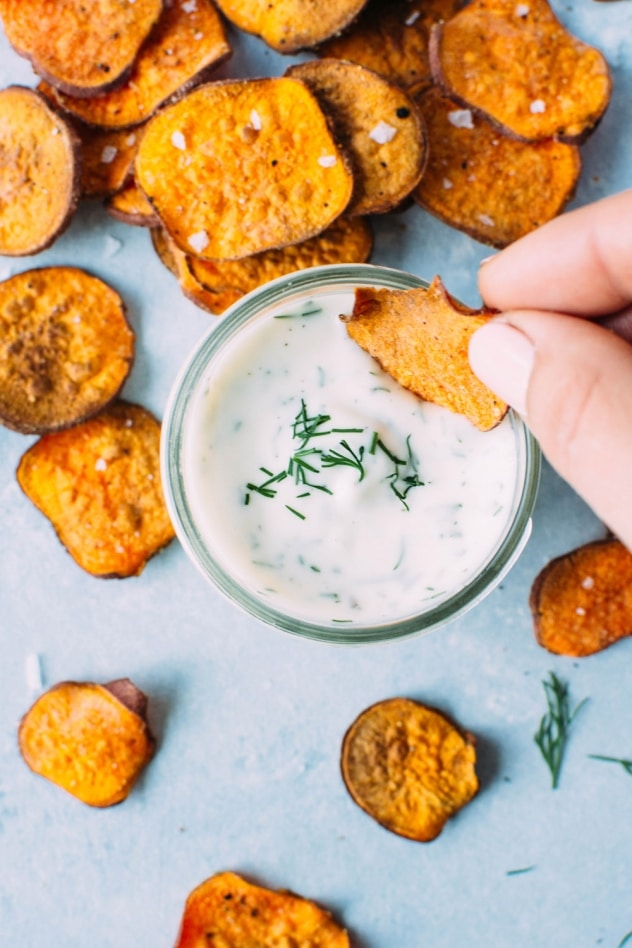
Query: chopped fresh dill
pixel 553 732
pixel 626 764
pixel 305 427
pixel 520 872
pixel 304 312
pixel 350 459
pixel 296 513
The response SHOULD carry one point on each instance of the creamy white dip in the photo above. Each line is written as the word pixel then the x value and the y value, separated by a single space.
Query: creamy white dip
pixel 325 488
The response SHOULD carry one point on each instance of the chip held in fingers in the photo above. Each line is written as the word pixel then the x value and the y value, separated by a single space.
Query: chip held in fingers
pixel 227 911
pixel 242 166
pixel 517 64
pixel 421 337
pixel 99 485
pixel 581 602
pixel 40 172
pixel 408 767
pixel 66 348
pixel 91 740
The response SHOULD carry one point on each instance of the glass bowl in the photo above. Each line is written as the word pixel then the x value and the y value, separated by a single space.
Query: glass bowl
pixel 198 513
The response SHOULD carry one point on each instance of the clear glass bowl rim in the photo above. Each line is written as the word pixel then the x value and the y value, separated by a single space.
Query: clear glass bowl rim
pixel 193 371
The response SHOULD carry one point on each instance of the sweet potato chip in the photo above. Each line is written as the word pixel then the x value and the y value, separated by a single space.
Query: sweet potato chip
pixel 242 166
pixel 421 338
pixel 188 41
pixel 91 740
pixel 179 263
pixel 107 159
pixel 391 37
pixel 40 172
pixel 492 187
pixel 99 485
pixel 518 65
pixel 378 125
pixel 582 601
pixel 229 912
pixel 408 767
pixel 291 25
pixel 131 206
pixel 82 48
pixel 66 348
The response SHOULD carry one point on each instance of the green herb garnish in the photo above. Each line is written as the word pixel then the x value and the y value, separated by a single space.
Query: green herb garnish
pixel 520 872
pixel 552 734
pixel 626 764
pixel 346 458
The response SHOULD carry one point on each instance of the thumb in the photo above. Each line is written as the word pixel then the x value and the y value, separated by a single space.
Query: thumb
pixel 572 382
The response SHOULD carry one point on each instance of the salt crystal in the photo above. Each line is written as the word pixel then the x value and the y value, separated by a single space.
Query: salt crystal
pixel 177 140
pixel 33 672
pixel 580 611
pixel 327 161
pixel 112 245
pixel 100 464
pixel 55 131
pixel 190 6
pixel 414 16
pixel 383 133
pixel 198 36
pixel 521 9
pixel 447 184
pixel 588 582
pixel 461 118
pixel 108 154
pixel 130 140
pixel 486 219
pixel 255 120
pixel 538 105
pixel 198 241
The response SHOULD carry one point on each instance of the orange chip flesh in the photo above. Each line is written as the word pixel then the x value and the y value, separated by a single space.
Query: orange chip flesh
pixel 131 206
pixel 238 167
pixel 408 767
pixel 81 48
pixel 420 337
pixel 523 70
pixel 391 37
pixel 581 602
pixel 99 485
pixel 188 41
pixel 291 25
pixel 91 740
pixel 66 348
pixel 40 172
pixel 107 159
pixel 486 184
pixel 378 125
pixel 230 912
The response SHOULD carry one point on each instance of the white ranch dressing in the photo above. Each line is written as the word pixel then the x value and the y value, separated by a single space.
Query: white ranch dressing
pixel 350 550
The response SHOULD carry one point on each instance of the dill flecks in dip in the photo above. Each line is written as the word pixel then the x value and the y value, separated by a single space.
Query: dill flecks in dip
pixel 325 488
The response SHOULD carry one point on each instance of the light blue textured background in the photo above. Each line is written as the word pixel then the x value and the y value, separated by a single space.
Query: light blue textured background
pixel 249 720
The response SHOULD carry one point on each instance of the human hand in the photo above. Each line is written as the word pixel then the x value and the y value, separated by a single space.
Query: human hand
pixel 560 351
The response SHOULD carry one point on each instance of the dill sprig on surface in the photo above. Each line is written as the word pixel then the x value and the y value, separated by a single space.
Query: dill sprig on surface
pixel 552 734
pixel 626 764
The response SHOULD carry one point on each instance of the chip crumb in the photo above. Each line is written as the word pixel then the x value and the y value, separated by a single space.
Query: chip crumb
pixel 383 133
pixel 108 154
pixel 199 241
pixel 178 141
pixel 461 118
pixel 537 106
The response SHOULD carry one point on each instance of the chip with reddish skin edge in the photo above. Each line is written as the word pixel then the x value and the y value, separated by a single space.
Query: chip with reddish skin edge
pixel 99 485
pixel 517 64
pixel 421 337
pixel 40 172
pixel 66 348
pixel 130 206
pixel 408 767
pixel 91 740
pixel 187 43
pixel 391 37
pixel 291 25
pixel 81 48
pixel 581 602
pixel 379 127
pixel 486 184
pixel 242 166
pixel 230 912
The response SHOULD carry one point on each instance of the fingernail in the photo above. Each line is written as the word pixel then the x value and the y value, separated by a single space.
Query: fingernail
pixel 502 357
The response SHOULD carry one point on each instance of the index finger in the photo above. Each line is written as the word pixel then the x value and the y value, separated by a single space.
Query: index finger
pixel 579 263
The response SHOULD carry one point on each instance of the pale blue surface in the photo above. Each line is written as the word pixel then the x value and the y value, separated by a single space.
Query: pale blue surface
pixel 249 720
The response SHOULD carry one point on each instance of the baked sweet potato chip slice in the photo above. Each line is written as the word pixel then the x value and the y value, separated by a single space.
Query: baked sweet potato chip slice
pixel 492 187
pixel 40 172
pixel 408 767
pixel 179 263
pixel 99 485
pixel 378 126
pixel 230 912
pixel 66 348
pixel 188 41
pixel 291 25
pixel 391 37
pixel 242 166
pixel 581 602
pixel 518 65
pixel 107 159
pixel 91 740
pixel 81 48
pixel 131 206
pixel 421 338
